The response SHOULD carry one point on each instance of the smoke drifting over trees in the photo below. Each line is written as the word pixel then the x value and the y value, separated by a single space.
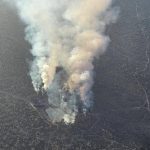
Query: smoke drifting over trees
pixel 70 34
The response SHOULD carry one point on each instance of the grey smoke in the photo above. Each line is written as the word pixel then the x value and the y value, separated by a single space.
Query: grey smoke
pixel 70 34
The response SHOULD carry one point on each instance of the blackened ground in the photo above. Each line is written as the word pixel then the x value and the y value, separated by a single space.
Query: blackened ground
pixel 120 118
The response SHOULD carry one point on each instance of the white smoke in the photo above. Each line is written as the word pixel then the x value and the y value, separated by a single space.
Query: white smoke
pixel 70 34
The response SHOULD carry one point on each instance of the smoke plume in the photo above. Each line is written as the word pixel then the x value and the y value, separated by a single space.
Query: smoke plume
pixel 66 36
